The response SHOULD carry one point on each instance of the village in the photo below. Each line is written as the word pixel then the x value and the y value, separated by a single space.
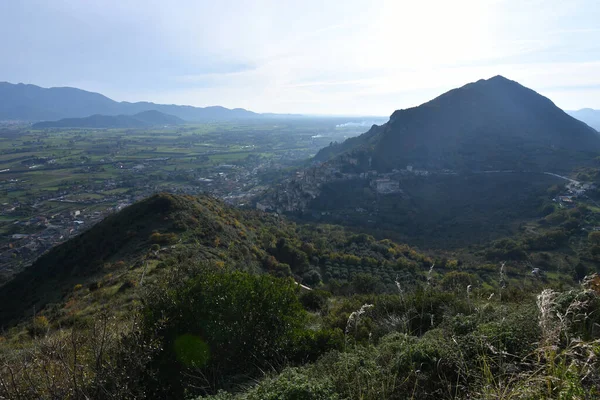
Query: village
pixel 295 193
pixel 45 219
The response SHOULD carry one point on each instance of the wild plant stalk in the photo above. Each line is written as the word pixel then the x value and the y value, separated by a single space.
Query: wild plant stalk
pixel 469 287
pixel 546 301
pixel 502 281
pixel 425 296
pixel 353 321
pixel 354 318
pixel 565 371
pixel 400 290
pixel 404 318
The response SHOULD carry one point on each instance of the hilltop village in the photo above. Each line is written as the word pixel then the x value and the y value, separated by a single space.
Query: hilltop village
pixel 295 193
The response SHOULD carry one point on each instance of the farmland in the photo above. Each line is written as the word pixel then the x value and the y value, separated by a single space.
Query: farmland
pixel 55 183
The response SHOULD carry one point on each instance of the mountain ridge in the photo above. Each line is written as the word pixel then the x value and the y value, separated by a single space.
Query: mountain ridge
pixel 142 119
pixel 587 115
pixel 29 102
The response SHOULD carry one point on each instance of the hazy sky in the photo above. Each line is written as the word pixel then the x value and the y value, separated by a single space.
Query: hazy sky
pixel 302 56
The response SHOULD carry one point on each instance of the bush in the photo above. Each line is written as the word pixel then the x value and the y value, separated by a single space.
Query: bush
pixel 547 241
pixel 309 345
pixel 506 249
pixel 163 238
pixel 314 300
pixel 311 278
pixel 457 281
pixel 240 324
pixel 366 283
pixel 39 326
pixel 292 384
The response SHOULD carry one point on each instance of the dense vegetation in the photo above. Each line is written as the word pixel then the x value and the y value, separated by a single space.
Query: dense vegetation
pixel 448 211
pixel 180 297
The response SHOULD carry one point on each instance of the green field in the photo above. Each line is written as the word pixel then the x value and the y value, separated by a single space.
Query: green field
pixel 49 173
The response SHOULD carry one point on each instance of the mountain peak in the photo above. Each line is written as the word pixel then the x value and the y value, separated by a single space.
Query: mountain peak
pixel 491 124
pixel 499 78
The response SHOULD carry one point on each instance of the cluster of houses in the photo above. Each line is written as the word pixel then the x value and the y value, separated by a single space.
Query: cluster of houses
pixel 42 233
pixel 573 190
pixel 305 185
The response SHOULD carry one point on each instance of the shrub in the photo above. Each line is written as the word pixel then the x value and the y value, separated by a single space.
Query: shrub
pixel 163 238
pixel 39 326
pixel 291 384
pixel 314 300
pixel 366 283
pixel 309 345
pixel 312 277
pixel 457 281
pixel 506 249
pixel 547 241
pixel 244 323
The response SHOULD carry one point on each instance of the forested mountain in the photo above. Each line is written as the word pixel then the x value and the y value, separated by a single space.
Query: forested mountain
pixel 34 103
pixel 587 115
pixel 140 120
pixel 493 124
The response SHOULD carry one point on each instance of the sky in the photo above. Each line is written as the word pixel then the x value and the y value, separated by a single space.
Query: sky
pixel 350 57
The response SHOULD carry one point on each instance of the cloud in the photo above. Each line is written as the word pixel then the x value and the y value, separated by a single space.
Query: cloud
pixel 359 57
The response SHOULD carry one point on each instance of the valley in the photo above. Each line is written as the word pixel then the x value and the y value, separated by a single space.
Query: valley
pixel 452 251
pixel 316 200
pixel 56 183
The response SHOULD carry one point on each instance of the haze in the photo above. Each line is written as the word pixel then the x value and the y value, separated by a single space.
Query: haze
pixel 345 57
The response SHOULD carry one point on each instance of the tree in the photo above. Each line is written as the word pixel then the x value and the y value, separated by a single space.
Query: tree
pixel 312 277
pixel 594 237
pixel 365 283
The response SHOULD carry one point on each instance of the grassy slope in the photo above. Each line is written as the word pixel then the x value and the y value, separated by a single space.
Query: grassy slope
pixel 122 239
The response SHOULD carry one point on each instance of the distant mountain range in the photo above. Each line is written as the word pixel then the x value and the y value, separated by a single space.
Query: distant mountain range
pixel 493 124
pixel 143 119
pixel 33 103
pixel 587 115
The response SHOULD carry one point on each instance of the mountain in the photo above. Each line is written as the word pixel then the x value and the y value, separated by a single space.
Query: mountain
pixel 124 238
pixel 140 120
pixel 154 238
pixel 466 168
pixel 33 103
pixel 493 124
pixel 587 115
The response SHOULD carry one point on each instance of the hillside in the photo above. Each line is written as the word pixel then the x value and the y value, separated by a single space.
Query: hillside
pixel 143 119
pixel 34 103
pixel 587 115
pixel 126 237
pixel 174 288
pixel 167 230
pixel 465 168
pixel 493 124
